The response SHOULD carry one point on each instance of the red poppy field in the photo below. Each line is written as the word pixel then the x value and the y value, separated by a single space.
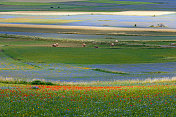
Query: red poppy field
pixel 70 101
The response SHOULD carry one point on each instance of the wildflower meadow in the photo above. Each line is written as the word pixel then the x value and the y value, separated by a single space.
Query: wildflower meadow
pixel 84 101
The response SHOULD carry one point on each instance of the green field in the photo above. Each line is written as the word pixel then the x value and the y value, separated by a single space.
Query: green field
pixel 38 50
pixel 91 55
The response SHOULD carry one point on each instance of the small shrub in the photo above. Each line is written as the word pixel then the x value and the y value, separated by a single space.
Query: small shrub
pixel 49 83
pixel 37 82
pixel 22 82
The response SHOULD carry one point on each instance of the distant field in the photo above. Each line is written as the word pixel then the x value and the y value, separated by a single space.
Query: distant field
pixel 25 3
pixel 39 21
pixel 34 41
pixel 86 5
pixel 119 2
pixel 48 2
pixel 41 1
pixel 11 41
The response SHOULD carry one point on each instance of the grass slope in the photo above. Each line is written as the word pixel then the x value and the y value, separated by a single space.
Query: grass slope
pixel 91 55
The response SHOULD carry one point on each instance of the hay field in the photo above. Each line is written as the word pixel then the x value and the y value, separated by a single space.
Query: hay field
pixel 39 21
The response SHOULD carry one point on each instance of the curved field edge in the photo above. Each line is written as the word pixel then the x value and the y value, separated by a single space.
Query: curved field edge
pixel 8 63
pixel 91 55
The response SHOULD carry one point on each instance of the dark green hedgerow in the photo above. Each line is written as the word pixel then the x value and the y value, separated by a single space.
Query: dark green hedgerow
pixel 35 82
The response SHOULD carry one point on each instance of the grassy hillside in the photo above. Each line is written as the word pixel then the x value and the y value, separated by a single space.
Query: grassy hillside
pixel 91 55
